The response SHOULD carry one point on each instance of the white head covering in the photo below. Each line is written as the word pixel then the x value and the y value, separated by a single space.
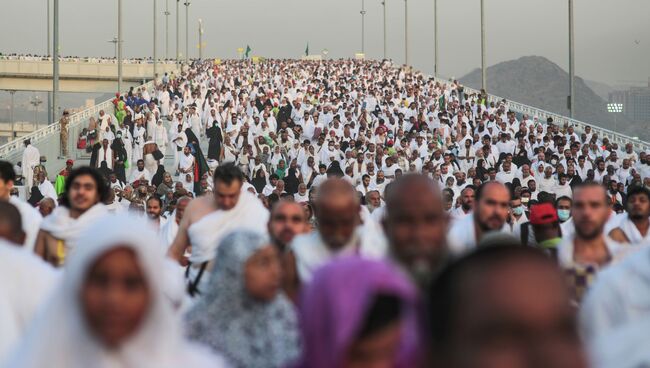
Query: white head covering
pixel 60 337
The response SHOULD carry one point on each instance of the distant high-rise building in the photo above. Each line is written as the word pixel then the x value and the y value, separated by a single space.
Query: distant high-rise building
pixel 636 102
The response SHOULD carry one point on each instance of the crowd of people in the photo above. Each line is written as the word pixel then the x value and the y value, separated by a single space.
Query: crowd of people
pixel 346 213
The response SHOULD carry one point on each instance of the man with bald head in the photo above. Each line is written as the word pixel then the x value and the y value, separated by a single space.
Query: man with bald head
pixel 415 225
pixel 46 206
pixel 491 209
pixel 337 210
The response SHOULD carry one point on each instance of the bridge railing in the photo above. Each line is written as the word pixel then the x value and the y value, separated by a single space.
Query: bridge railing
pixel 48 140
pixel 614 137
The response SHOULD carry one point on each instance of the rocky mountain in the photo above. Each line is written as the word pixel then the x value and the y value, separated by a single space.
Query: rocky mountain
pixel 539 82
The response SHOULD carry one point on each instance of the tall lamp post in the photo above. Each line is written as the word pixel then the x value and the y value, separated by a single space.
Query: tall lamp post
pixel 11 115
pixel 167 13
pixel 178 51
pixel 114 42
pixel 483 70
pixel 155 49
pixel 49 54
pixel 406 32
pixel 119 46
pixel 200 39
pixel 35 101
pixel 572 91
pixel 615 108
pixel 55 62
pixel 187 30
pixel 435 38
pixel 363 26
pixel 383 3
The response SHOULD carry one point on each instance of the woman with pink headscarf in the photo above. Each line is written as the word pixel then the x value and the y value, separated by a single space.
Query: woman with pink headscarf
pixel 359 313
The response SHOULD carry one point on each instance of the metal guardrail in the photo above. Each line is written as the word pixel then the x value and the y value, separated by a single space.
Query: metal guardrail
pixel 12 151
pixel 531 111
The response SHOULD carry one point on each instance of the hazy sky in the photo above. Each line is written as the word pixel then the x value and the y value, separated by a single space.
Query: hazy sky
pixel 605 30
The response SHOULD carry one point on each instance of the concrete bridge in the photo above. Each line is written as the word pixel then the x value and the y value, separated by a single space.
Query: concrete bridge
pixel 48 142
pixel 80 75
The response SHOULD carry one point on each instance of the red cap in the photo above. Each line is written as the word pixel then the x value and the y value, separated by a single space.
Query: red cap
pixel 543 213
pixel 69 162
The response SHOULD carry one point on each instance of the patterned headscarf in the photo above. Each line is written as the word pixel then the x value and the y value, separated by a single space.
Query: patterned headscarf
pixel 248 332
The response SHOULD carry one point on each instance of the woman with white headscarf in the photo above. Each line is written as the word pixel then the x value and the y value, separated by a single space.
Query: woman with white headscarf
pixel 243 314
pixel 110 309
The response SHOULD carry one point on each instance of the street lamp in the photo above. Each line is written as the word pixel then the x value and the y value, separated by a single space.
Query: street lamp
pixel 406 32
pixel 155 49
pixel 483 69
pixel 200 39
pixel 167 13
pixel 187 30
pixel 178 51
pixel 114 42
pixel 615 108
pixel 383 3
pixel 55 61
pixel 571 99
pixel 119 46
pixel 35 101
pixel 435 38
pixel 363 26
pixel 11 115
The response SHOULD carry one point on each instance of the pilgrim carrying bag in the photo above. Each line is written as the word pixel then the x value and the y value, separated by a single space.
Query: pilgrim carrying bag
pixel 193 285
pixel 158 155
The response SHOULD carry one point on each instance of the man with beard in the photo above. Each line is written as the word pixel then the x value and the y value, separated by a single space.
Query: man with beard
pixel 80 206
pixel 373 200
pixel 154 211
pixel 287 220
pixel 589 249
pixel 466 204
pixel 208 218
pixel 634 228
pixel 415 225
pixel 492 205
pixel 140 174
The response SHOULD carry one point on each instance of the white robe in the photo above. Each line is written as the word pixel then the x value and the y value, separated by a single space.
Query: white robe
pixel 137 175
pixel 31 221
pixel 61 226
pixel 632 232
pixel 185 163
pixel 109 157
pixel 60 337
pixel 168 233
pixel 47 190
pixel 311 252
pixel 620 296
pixel 25 281
pixel 138 144
pixel 31 158
pixel 205 234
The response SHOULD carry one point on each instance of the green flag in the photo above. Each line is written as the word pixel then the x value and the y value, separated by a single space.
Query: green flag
pixel 248 51
pixel 307 50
